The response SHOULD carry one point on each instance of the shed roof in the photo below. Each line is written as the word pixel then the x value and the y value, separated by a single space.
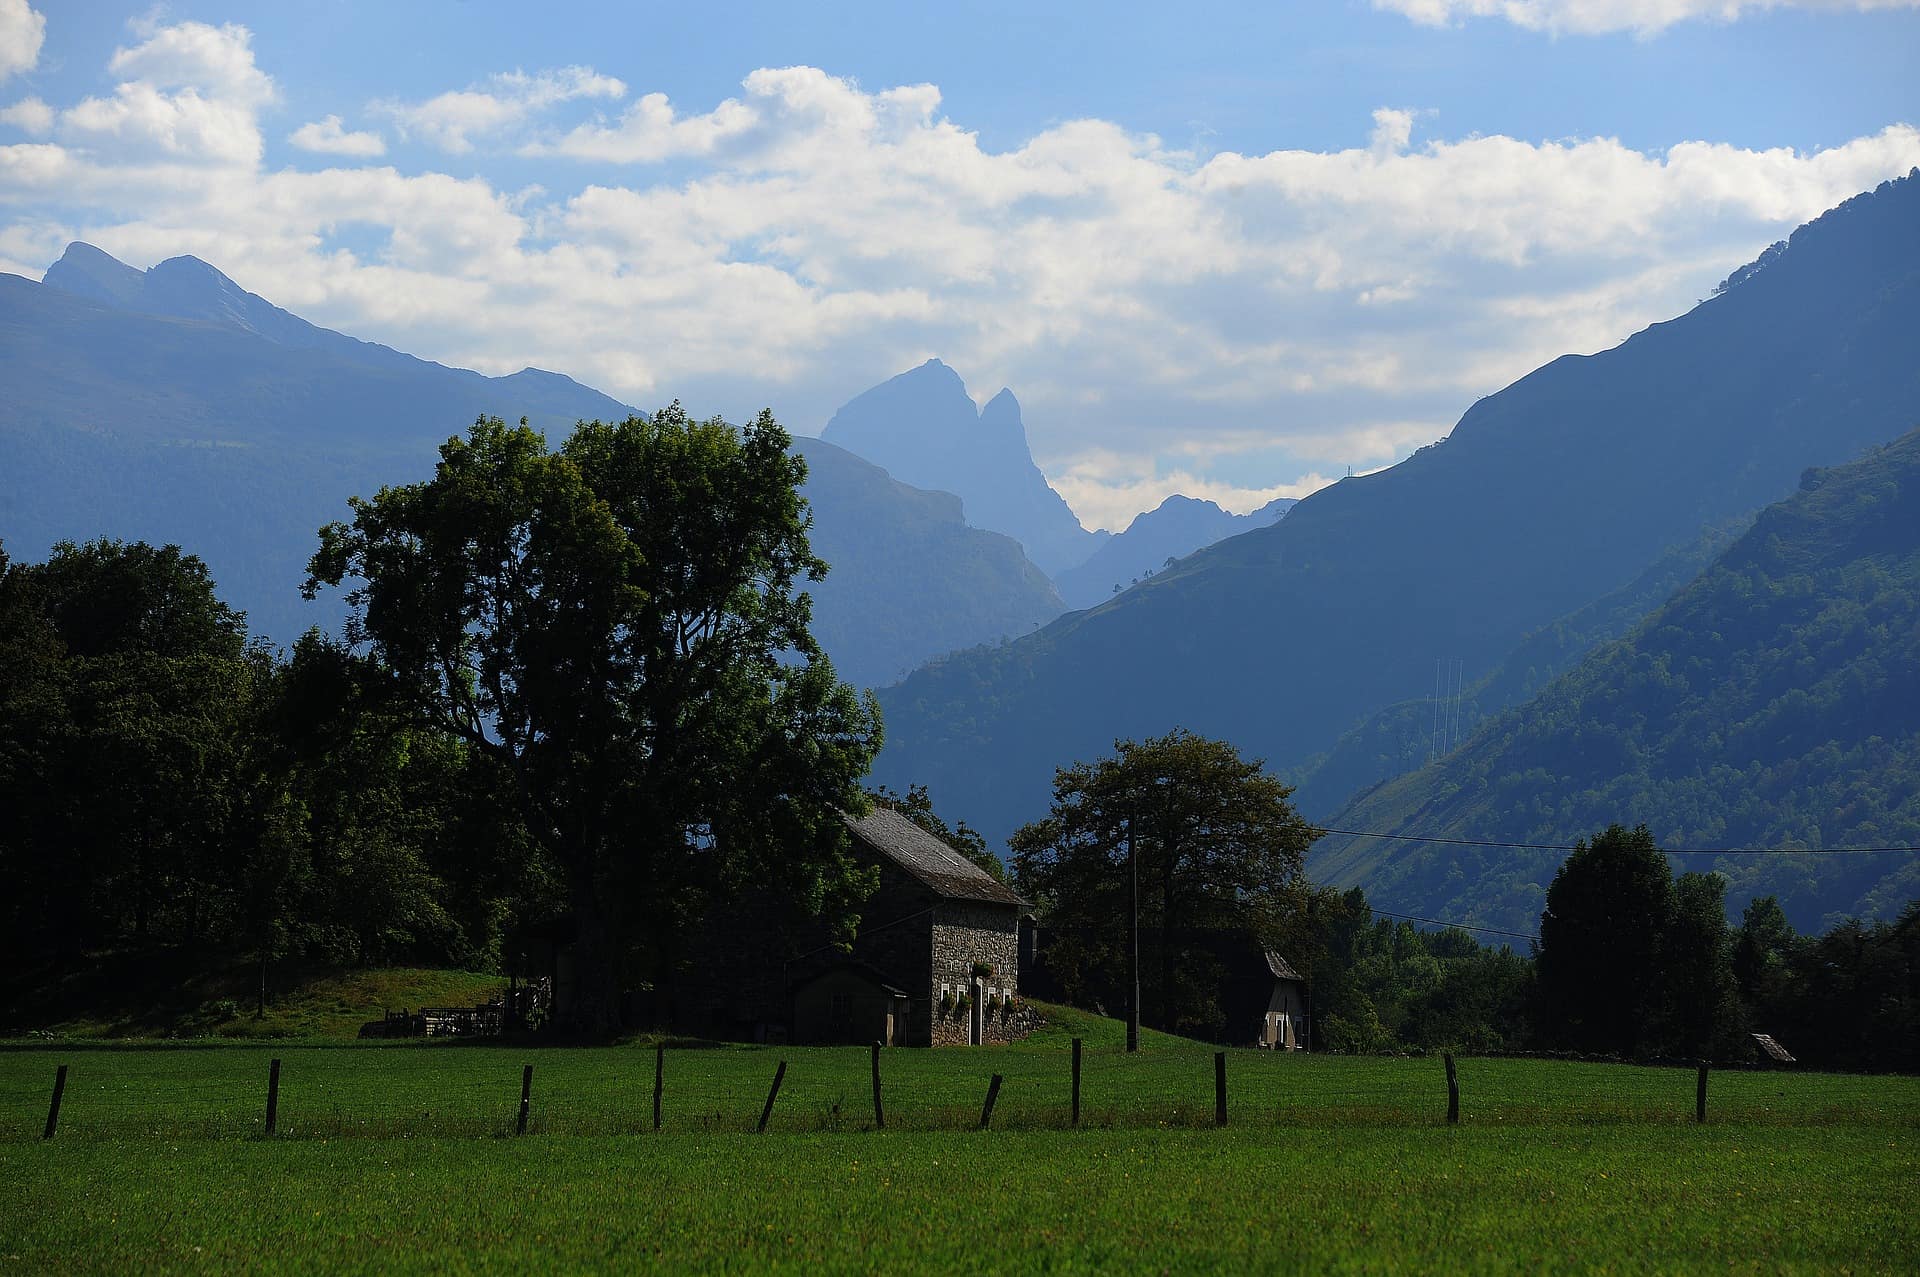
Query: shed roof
pixel 1281 968
pixel 866 971
pixel 930 860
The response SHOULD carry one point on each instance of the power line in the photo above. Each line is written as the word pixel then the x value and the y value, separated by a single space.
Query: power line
pixel 1458 926
pixel 1671 851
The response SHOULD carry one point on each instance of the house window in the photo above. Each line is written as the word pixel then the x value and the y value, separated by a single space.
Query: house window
pixel 840 1008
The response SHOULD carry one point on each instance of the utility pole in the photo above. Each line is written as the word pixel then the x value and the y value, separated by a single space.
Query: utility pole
pixel 1133 941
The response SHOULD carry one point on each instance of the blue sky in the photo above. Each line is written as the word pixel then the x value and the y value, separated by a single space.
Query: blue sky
pixel 1228 250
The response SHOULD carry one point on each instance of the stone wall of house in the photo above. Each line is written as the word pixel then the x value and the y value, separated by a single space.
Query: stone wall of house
pixel 964 933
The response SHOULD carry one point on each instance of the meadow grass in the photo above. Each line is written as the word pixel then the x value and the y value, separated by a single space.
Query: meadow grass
pixel 402 1155
pixel 1623 1198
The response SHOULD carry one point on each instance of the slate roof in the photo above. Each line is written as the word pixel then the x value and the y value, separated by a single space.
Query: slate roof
pixel 928 859
pixel 1281 968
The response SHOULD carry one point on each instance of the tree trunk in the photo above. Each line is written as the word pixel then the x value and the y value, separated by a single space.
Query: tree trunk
pixel 1166 946
pixel 592 1005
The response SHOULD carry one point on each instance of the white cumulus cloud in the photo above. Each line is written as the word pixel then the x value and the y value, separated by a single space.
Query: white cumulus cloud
pixel 451 121
pixel 1597 17
pixel 328 137
pixel 217 61
pixel 22 31
pixel 191 92
pixel 29 115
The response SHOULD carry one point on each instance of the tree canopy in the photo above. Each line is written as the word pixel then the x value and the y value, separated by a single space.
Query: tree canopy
pixel 617 626
pixel 1218 848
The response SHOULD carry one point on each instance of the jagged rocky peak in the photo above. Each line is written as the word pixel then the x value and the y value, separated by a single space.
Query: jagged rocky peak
pixel 923 429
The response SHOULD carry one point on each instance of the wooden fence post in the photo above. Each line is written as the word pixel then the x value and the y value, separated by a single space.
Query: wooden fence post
pixel 659 1077
pixel 53 1109
pixel 779 1075
pixel 1700 1094
pixel 986 1110
pixel 273 1095
pixel 1219 1088
pixel 1453 1092
pixel 526 1099
pixel 1076 1081
pixel 879 1113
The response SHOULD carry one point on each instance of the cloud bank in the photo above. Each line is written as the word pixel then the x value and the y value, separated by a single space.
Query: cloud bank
pixel 1229 325
pixel 1601 17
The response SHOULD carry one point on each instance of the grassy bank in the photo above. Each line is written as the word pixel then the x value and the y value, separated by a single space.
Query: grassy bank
pixel 169 995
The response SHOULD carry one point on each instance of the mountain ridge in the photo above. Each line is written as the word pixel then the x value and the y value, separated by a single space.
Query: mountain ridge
pixel 921 426
pixel 148 409
pixel 1767 704
pixel 1549 494
pixel 1175 528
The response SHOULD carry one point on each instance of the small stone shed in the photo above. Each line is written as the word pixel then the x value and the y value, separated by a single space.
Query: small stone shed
pixel 1267 1003
pixel 939 943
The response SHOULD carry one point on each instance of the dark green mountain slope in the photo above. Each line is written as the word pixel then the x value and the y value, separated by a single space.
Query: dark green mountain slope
pixel 171 405
pixel 1774 702
pixel 1410 734
pixel 1555 492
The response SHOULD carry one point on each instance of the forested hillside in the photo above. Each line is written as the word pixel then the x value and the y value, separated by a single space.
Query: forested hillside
pixel 1555 492
pixel 1770 704
pixel 1410 734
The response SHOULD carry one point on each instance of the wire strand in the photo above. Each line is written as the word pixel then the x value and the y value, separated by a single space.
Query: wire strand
pixel 1460 926
pixel 1670 851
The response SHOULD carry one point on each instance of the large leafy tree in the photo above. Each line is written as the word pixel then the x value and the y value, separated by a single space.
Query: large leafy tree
pixel 1218 848
pixel 1603 943
pixel 125 709
pixel 1702 993
pixel 617 626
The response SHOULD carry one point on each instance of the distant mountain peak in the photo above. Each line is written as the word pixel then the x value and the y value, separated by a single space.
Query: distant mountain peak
pixel 93 273
pixel 183 287
pixel 923 428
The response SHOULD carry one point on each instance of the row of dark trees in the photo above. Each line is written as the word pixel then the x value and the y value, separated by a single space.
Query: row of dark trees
pixel 1636 961
pixel 1632 961
pixel 170 785
pixel 580 682
pixel 576 682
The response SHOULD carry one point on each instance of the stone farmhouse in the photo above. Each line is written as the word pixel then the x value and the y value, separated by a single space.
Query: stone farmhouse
pixel 937 960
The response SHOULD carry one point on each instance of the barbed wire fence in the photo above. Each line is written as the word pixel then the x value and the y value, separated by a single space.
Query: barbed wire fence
pixel 494 1094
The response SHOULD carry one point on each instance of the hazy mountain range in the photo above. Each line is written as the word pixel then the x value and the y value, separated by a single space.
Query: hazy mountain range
pixel 1563 614
pixel 1175 528
pixel 173 405
pixel 1554 494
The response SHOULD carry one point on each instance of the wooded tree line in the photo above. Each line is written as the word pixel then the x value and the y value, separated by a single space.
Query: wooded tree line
pixel 169 783
pixel 1632 961
pixel 579 682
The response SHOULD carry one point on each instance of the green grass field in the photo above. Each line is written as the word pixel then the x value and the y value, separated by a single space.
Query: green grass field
pixel 403 1155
